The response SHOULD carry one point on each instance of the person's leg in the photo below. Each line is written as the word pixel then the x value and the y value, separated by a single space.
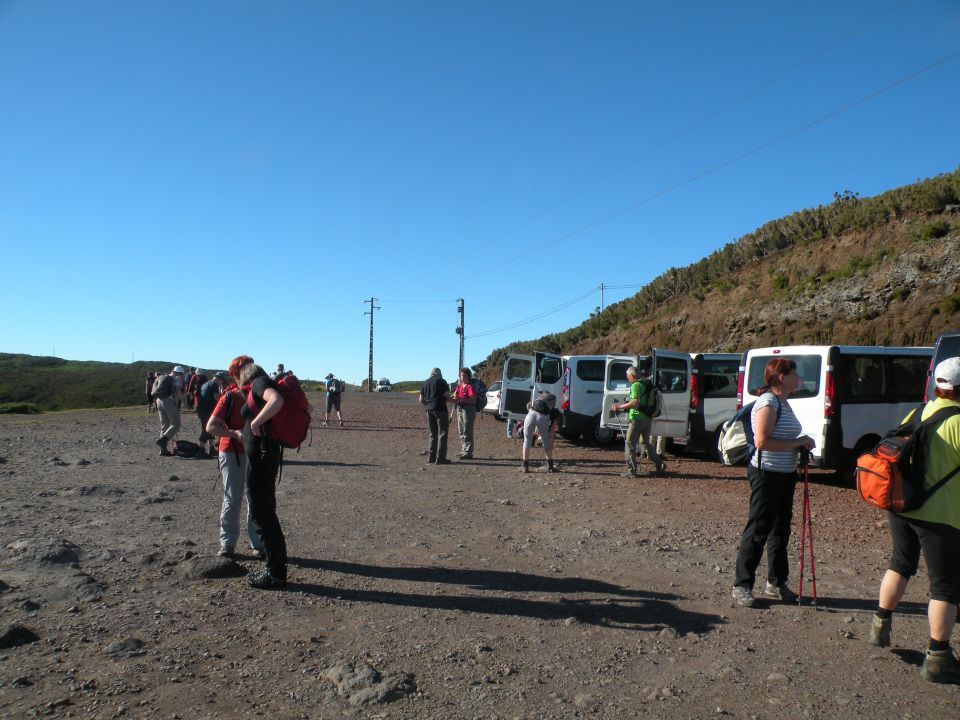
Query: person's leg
pixel 233 474
pixel 462 428
pixel 651 448
pixel 261 478
pixel 434 426
pixel 781 487
pixel 336 406
pixel 470 414
pixel 443 425
pixel 630 447
pixel 173 411
pixel 510 422
pixel 756 530
pixel 529 423
pixel 903 566
pixel 326 415
pixel 163 418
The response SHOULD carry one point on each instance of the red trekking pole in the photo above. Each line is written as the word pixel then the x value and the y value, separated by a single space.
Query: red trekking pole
pixel 806 529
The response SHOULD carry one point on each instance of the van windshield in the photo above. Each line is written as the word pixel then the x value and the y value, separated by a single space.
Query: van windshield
pixel 808 368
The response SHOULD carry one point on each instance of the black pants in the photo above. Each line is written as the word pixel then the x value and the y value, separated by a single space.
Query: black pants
pixel 771 512
pixel 261 480
pixel 941 547
pixel 439 421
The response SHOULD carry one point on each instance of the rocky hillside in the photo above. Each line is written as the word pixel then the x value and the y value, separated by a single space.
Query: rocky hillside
pixel 883 270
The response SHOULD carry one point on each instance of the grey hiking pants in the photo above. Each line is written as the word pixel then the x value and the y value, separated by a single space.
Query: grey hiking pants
pixel 233 470
pixel 639 431
pixel 466 416
pixel 169 415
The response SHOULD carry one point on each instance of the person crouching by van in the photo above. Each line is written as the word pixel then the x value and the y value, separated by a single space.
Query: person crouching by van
pixel 263 462
pixel 464 396
pixel 638 431
pixel 226 422
pixel 933 528
pixel 772 472
pixel 542 419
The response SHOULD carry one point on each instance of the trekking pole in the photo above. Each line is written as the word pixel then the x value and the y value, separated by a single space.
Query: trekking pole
pixel 806 529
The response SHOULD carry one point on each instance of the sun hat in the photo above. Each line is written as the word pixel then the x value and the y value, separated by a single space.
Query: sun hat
pixel 178 369
pixel 947 373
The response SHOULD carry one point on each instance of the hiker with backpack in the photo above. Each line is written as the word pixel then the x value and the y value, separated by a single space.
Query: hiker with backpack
pixel 264 455
pixel 151 376
pixel 641 408
pixel 772 473
pixel 933 528
pixel 207 399
pixel 464 398
pixel 434 394
pixel 226 422
pixel 334 396
pixel 166 392
pixel 542 419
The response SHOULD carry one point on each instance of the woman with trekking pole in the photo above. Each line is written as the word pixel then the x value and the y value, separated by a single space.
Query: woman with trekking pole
pixel 772 473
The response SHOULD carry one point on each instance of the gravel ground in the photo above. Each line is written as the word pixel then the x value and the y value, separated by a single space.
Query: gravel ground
pixel 462 591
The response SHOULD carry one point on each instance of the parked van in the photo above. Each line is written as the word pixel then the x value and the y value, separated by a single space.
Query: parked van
pixel 581 400
pixel 671 372
pixel 851 395
pixel 526 376
pixel 383 385
pixel 947 346
pixel 713 399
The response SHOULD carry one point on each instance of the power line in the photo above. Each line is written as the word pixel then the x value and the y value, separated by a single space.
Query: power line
pixel 544 314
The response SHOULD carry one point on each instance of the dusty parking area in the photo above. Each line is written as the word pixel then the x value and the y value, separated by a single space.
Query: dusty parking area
pixel 463 591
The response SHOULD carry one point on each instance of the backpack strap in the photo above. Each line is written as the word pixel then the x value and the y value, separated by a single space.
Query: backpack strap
pixel 759 451
pixel 935 419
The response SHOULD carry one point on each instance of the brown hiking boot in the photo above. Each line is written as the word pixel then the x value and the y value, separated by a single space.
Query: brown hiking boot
pixel 941 666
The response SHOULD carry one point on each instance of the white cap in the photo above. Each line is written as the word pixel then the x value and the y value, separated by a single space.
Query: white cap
pixel 178 369
pixel 947 373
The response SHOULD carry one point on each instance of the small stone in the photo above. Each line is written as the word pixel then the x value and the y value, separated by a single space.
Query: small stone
pixel 776 677
pixel 668 633
pixel 127 646
pixel 570 621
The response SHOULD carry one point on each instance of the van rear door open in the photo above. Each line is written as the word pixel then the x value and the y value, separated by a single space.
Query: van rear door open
pixel 615 390
pixel 524 377
pixel 671 372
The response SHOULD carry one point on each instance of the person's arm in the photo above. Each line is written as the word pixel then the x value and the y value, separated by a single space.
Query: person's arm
pixel 629 405
pixel 765 419
pixel 274 401
pixel 218 428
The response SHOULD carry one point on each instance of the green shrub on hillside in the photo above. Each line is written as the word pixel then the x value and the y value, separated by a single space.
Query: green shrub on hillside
pixel 18 408
pixel 931 231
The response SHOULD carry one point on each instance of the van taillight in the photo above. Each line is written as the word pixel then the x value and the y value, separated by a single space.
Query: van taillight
pixel 828 396
pixel 926 385
pixel 740 388
pixel 694 392
pixel 565 394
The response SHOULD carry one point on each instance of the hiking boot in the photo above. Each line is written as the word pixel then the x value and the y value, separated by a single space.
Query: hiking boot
pixel 225 552
pixel 879 633
pixel 780 592
pixel 661 471
pixel 258 553
pixel 524 468
pixel 266 580
pixel 341 423
pixel 941 666
pixel 743 596
pixel 442 461
pixel 164 450
pixel 551 468
pixel 630 474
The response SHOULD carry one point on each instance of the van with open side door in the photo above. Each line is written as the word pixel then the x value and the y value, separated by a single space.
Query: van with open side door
pixel 713 399
pixel 671 372
pixel 581 399
pixel 525 377
pixel 851 394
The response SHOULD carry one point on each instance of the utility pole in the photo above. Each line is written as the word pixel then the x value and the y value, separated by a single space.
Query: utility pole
pixel 601 297
pixel 373 307
pixel 460 333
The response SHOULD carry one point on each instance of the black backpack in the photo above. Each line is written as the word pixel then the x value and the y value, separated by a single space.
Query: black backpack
pixel 187 449
pixel 163 386
pixel 480 389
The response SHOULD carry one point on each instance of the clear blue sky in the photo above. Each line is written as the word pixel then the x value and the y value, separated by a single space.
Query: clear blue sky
pixel 195 180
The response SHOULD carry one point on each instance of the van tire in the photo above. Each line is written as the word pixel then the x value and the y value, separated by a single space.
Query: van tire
pixel 569 436
pixel 849 463
pixel 714 451
pixel 601 436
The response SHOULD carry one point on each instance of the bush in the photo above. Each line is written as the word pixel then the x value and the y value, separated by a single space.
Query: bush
pixel 18 408
pixel 951 303
pixel 931 231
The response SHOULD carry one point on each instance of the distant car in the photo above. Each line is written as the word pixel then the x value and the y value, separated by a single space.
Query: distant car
pixel 383 385
pixel 493 401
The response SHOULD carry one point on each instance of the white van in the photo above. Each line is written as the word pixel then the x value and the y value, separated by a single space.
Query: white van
pixel 851 395
pixel 671 372
pixel 525 377
pixel 713 399
pixel 581 399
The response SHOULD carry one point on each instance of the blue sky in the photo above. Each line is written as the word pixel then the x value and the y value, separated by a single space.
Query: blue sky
pixel 190 181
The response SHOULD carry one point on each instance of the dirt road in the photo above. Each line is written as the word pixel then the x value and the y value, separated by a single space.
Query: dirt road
pixel 462 591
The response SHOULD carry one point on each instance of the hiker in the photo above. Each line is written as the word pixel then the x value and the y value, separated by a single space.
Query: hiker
pixel 179 385
pixel 279 373
pixel 188 382
pixel 207 399
pixel 542 419
pixel 263 401
pixel 334 395
pixel 196 381
pixel 151 376
pixel 167 400
pixel 934 528
pixel 639 428
pixel 772 473
pixel 226 423
pixel 464 397
pixel 433 394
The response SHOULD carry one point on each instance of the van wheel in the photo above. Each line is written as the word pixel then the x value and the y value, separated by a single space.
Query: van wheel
pixel 849 463
pixel 602 436
pixel 568 436
pixel 714 451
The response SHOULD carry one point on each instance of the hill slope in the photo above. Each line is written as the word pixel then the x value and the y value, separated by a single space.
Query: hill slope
pixel 883 270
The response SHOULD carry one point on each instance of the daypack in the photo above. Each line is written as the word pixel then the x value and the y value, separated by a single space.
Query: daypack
pixel 335 386
pixel 288 427
pixel 890 477
pixel 163 386
pixel 736 439
pixel 654 406
pixel 187 449
pixel 480 390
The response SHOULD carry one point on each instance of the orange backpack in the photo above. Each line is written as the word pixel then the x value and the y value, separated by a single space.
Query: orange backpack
pixel 890 477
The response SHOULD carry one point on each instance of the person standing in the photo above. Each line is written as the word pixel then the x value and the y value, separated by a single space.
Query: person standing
pixel 433 394
pixel 151 376
pixel 166 390
pixel 226 422
pixel 934 529
pixel 465 398
pixel 772 473
pixel 263 462
pixel 334 396
pixel 279 373
pixel 207 399
pixel 639 427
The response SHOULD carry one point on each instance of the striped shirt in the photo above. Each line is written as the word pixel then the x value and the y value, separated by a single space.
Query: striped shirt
pixel 787 428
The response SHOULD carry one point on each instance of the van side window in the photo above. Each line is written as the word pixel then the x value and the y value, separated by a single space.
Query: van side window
pixel 908 378
pixel 808 368
pixel 863 379
pixel 719 379
pixel 671 375
pixel 519 369
pixel 590 370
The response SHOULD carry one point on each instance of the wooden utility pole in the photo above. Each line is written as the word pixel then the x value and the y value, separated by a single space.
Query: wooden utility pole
pixel 373 307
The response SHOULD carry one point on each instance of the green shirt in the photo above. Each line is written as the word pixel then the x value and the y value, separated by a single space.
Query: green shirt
pixel 942 456
pixel 638 391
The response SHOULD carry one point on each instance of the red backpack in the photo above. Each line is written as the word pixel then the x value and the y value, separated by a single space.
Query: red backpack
pixel 288 427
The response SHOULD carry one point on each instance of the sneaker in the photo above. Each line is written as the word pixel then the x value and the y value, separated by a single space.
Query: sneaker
pixel 524 468
pixel 743 596
pixel 780 592
pixel 941 666
pixel 258 553
pixel 630 474
pixel 661 471
pixel 879 633
pixel 442 461
pixel 225 552
pixel 341 423
pixel 551 468
pixel 266 580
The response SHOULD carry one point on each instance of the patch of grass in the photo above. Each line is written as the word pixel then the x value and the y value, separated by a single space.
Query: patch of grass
pixel 18 408
pixel 950 304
